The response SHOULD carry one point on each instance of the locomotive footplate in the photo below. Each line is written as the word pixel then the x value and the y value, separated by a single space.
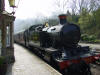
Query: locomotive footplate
pixel 48 53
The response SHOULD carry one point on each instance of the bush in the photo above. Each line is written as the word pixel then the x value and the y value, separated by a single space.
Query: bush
pixel 3 66
pixel 84 37
pixel 88 38
pixel 2 60
pixel 97 41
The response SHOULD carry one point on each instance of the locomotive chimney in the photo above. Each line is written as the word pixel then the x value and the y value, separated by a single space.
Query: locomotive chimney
pixel 62 19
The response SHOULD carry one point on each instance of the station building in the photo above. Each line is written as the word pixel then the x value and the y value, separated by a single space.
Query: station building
pixel 6 33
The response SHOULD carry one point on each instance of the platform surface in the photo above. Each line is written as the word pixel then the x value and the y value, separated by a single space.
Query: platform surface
pixel 27 63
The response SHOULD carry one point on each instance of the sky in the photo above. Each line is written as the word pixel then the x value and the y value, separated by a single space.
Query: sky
pixel 27 11
pixel 32 8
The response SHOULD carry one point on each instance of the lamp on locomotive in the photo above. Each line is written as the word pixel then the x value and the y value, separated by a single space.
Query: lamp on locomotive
pixel 46 24
pixel 62 19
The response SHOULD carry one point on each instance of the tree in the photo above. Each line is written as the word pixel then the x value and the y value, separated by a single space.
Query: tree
pixel 89 5
pixel 62 5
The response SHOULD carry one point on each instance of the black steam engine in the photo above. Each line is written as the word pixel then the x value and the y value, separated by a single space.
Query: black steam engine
pixel 59 46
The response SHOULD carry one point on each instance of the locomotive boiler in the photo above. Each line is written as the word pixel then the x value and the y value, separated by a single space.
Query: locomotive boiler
pixel 62 35
pixel 59 46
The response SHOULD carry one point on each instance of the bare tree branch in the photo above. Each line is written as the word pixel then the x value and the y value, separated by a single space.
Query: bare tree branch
pixel 77 6
pixel 62 4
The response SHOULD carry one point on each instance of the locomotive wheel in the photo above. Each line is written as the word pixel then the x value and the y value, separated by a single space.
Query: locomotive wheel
pixel 54 64
pixel 78 69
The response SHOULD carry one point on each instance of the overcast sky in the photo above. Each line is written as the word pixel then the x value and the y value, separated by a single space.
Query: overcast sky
pixel 32 8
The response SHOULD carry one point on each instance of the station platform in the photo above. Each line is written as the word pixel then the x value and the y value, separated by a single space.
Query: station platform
pixel 27 63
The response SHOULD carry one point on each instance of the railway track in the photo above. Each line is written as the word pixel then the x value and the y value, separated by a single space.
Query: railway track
pixel 94 65
pixel 95 69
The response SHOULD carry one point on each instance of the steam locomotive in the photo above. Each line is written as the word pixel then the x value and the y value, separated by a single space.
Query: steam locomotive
pixel 59 45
